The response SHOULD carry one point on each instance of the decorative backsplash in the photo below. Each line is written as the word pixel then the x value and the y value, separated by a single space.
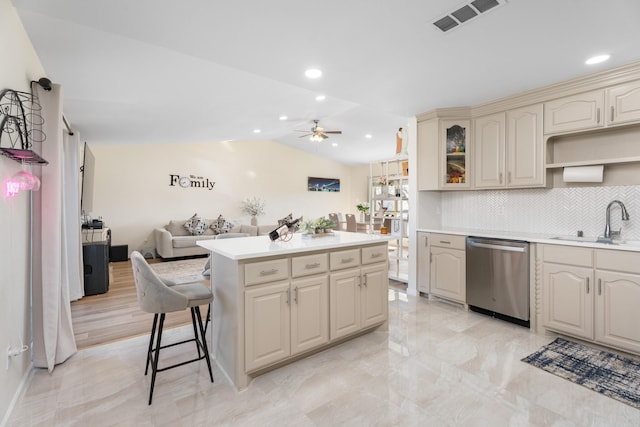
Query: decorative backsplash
pixel 561 211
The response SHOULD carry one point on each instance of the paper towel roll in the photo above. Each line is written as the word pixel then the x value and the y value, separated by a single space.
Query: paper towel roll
pixel 583 173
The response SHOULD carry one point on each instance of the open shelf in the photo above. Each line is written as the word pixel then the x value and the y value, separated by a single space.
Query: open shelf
pixel 631 159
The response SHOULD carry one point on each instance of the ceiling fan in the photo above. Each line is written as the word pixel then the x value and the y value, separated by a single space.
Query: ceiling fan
pixel 318 134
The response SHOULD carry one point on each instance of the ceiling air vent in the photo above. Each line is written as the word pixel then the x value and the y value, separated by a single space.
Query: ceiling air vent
pixel 465 13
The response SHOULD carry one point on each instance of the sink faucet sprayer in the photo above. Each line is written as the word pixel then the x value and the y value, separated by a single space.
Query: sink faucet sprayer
pixel 608 234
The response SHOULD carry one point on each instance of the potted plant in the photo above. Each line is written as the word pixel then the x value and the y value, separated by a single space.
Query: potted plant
pixel 253 206
pixel 363 208
pixel 319 226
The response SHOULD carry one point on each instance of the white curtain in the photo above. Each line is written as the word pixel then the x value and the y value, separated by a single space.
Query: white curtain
pixel 56 245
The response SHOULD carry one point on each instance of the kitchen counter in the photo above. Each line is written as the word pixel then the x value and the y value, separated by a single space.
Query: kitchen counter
pixel 262 246
pixel 585 242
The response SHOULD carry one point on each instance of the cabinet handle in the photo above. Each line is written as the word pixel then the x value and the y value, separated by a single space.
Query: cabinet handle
pixel 598 115
pixel 364 280
pixel 599 286
pixel 295 294
pixel 430 258
pixel 359 280
pixel 268 272
pixel 445 242
pixel 426 242
pixel 310 266
pixel 376 255
pixel 346 260
pixel 612 109
pixel 509 177
pixel 500 178
pixel 288 296
pixel 587 285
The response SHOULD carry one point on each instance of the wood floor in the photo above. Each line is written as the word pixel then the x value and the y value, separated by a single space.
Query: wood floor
pixel 115 315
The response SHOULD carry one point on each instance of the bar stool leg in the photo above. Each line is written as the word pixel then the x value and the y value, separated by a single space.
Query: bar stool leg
pixel 153 335
pixel 195 330
pixel 156 357
pixel 204 343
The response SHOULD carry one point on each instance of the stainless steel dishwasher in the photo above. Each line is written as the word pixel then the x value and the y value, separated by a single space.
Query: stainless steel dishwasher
pixel 498 278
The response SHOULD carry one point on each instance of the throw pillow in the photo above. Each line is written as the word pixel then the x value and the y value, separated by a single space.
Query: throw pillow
pixel 221 225
pixel 195 225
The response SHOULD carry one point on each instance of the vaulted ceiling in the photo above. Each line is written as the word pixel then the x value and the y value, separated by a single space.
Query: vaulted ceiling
pixel 150 71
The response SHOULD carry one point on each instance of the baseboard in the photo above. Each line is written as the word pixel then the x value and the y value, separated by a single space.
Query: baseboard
pixel 18 394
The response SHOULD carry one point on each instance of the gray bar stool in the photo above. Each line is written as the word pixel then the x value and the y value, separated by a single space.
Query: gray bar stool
pixel 155 296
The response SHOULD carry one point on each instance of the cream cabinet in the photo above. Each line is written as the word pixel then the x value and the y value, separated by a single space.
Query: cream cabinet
pixel 615 105
pixel 428 162
pixel 358 299
pixel 448 267
pixel 572 113
pixel 568 299
pixel 285 317
pixel 617 322
pixel 592 294
pixel 423 267
pixel 509 148
pixel 268 323
pixel 623 103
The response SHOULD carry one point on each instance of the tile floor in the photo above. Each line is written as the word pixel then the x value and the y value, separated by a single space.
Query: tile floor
pixel 438 365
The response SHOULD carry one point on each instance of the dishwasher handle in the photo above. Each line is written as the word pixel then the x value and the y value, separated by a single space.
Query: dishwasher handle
pixel 498 247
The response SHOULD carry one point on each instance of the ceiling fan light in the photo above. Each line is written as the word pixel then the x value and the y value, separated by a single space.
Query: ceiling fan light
pixel 316 138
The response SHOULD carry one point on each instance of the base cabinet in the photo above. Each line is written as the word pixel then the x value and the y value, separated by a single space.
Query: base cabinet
pixel 358 299
pixel 423 266
pixel 593 294
pixel 448 267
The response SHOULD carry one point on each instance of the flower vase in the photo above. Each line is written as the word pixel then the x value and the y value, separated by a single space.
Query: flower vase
pixel 254 220
pixel 362 216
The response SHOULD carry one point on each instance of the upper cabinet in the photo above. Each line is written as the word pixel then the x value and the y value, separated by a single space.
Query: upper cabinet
pixel 455 159
pixel 613 106
pixel 572 113
pixel 509 149
pixel 623 103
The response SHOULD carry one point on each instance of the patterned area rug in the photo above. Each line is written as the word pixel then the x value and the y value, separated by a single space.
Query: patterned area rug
pixel 610 374
pixel 182 271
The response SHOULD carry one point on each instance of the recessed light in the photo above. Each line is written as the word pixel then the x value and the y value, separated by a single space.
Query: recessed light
pixel 320 98
pixel 313 73
pixel 283 118
pixel 597 59
pixel 335 144
pixel 368 136
pixel 257 131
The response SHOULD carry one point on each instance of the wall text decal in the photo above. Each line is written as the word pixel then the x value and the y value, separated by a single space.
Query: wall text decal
pixel 191 181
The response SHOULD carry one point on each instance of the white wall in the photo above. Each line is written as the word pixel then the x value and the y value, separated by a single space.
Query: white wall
pixel 20 65
pixel 133 196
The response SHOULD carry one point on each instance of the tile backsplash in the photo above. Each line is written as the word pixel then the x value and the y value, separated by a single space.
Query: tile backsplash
pixel 561 211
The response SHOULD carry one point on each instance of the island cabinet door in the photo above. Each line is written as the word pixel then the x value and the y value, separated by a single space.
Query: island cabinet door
pixel 344 296
pixel 374 295
pixel 267 325
pixel 309 313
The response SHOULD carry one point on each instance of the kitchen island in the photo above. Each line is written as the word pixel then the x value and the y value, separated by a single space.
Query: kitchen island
pixel 277 302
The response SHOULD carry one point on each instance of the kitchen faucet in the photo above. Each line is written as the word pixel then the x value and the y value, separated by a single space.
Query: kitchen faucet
pixel 608 234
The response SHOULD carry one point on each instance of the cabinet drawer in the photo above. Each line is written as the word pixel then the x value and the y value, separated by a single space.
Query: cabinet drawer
pixel 344 259
pixel 561 254
pixel 374 254
pixel 310 264
pixel 266 271
pixel 628 262
pixel 448 241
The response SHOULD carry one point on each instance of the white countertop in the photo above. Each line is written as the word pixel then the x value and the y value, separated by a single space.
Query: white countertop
pixel 623 245
pixel 262 246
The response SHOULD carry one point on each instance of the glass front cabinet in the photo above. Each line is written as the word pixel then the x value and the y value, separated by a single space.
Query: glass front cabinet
pixel 455 148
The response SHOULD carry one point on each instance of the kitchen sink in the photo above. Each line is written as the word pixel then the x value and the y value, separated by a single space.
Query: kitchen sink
pixel 598 240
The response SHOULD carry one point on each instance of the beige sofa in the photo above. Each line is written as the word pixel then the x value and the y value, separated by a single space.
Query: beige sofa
pixel 174 240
